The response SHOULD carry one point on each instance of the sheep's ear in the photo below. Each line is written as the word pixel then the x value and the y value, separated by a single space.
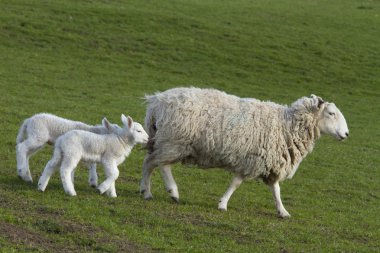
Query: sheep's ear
pixel 106 123
pixel 318 101
pixel 127 121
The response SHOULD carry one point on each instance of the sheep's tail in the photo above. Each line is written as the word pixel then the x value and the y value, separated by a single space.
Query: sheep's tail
pixel 150 122
pixel 21 132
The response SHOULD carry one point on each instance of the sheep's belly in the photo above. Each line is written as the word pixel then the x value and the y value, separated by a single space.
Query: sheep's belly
pixel 91 157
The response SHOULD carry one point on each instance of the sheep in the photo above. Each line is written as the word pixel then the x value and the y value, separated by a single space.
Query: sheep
pixel 247 137
pixel 109 149
pixel 44 128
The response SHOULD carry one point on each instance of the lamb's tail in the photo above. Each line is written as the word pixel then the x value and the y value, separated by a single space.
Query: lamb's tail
pixel 22 132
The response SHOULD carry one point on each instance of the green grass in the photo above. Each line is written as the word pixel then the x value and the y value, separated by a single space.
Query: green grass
pixel 87 59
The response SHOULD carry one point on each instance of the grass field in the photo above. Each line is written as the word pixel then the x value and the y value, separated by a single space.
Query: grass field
pixel 84 60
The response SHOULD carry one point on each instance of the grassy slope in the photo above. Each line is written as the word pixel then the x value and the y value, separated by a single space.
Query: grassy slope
pixel 88 59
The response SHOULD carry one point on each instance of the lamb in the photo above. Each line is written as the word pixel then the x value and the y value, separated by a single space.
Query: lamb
pixel 247 137
pixel 44 128
pixel 109 149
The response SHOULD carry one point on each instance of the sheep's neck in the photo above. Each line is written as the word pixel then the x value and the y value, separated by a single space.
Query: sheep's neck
pixel 126 141
pixel 302 131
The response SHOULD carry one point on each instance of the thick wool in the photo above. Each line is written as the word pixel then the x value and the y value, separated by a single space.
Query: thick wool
pixel 251 138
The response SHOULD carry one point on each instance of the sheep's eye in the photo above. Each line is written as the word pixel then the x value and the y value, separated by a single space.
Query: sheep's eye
pixel 331 113
pixel 139 131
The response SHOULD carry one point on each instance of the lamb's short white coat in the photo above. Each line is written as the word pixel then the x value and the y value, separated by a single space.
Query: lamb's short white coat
pixel 45 128
pixel 248 137
pixel 108 149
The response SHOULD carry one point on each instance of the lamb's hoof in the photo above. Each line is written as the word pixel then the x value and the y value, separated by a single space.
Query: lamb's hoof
pixel 93 185
pixel 71 194
pixel 149 198
pixel 223 209
pixel 111 195
pixel 26 179
pixel 101 189
pixel 284 215
pixel 176 200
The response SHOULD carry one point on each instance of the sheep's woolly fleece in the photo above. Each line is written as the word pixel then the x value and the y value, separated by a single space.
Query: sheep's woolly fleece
pixel 210 128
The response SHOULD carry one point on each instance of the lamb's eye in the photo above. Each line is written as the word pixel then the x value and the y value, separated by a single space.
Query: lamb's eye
pixel 331 113
pixel 139 131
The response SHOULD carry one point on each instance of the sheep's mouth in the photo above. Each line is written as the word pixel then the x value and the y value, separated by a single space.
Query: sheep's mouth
pixel 340 137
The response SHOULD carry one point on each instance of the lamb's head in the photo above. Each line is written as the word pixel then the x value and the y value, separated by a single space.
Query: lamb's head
pixel 134 130
pixel 330 120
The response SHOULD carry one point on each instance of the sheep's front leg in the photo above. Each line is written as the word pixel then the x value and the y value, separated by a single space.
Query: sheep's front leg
pixel 50 167
pixel 92 175
pixel 236 182
pixel 171 186
pixel 112 173
pixel 275 188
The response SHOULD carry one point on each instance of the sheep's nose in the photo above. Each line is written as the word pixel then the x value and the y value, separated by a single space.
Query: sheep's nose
pixel 346 134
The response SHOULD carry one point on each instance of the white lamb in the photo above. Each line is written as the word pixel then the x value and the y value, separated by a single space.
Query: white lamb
pixel 44 128
pixel 108 149
pixel 248 137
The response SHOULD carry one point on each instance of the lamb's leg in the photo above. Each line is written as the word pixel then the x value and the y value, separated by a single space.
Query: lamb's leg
pixel 93 176
pixel 24 151
pixel 50 168
pixel 112 173
pixel 147 170
pixel 67 167
pixel 236 181
pixel 170 184
pixel 275 188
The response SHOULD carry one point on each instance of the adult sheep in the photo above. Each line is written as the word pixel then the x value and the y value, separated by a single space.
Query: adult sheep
pixel 248 137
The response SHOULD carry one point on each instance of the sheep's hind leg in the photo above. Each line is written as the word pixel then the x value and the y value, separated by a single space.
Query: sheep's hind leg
pixel 111 192
pixel 171 186
pixel 148 167
pixel 236 182
pixel 67 168
pixel 275 188
pixel 50 167
pixel 24 151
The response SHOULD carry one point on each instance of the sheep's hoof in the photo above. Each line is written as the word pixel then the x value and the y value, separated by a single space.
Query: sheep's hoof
pixel 285 215
pixel 26 179
pixel 176 200
pixel 148 198
pixel 223 209
pixel 93 185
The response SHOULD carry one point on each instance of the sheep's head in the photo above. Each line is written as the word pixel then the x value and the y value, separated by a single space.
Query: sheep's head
pixel 330 120
pixel 134 129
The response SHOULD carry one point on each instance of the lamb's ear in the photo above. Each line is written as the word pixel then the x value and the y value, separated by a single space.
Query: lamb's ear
pixel 127 121
pixel 106 123
pixel 318 101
